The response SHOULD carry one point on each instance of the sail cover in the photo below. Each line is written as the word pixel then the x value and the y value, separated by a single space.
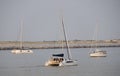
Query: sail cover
pixel 58 55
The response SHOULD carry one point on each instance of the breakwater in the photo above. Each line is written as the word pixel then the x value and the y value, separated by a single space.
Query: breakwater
pixel 7 45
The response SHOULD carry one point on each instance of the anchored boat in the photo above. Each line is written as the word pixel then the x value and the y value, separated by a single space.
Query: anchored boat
pixel 21 50
pixel 98 53
pixel 55 60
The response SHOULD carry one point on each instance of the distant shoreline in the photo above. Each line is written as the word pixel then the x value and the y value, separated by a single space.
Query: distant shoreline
pixel 9 45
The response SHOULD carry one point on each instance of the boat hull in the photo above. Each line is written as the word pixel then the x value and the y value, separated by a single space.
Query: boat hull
pixel 17 51
pixel 69 63
pixel 52 63
pixel 97 55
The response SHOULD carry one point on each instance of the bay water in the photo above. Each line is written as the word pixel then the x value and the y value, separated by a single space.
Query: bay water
pixel 33 64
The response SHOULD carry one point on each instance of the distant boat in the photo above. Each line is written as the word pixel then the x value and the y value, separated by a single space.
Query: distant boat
pixel 98 52
pixel 21 50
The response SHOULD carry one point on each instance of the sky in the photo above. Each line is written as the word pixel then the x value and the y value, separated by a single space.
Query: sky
pixel 41 19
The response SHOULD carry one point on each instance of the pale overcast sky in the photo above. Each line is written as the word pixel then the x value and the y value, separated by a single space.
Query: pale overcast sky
pixel 41 19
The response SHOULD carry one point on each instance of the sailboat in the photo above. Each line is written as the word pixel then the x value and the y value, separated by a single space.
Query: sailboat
pixel 21 50
pixel 58 59
pixel 69 61
pixel 97 52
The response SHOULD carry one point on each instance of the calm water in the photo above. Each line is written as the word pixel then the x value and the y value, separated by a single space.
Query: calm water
pixel 33 64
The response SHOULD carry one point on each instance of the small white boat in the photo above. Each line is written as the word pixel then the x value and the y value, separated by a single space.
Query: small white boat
pixel 55 60
pixel 23 51
pixel 98 53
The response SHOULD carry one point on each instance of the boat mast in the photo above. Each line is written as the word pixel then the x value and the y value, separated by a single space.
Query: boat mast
pixel 21 35
pixel 96 36
pixel 66 41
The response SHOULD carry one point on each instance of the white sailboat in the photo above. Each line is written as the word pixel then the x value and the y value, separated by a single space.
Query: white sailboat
pixel 69 61
pixel 97 52
pixel 21 50
pixel 58 59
